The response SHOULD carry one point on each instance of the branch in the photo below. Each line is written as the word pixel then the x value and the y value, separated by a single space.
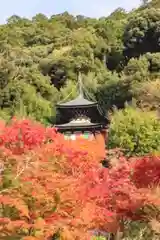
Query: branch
pixel 19 173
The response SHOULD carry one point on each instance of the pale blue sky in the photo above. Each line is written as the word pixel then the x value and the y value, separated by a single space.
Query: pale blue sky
pixel 91 8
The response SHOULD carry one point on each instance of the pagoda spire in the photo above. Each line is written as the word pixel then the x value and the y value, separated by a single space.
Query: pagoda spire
pixel 80 85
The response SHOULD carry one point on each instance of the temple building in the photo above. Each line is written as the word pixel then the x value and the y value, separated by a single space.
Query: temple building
pixel 81 119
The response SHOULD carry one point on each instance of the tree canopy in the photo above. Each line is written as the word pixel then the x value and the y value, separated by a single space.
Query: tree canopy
pixel 118 56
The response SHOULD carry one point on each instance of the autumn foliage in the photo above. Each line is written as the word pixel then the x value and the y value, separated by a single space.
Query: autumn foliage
pixel 49 187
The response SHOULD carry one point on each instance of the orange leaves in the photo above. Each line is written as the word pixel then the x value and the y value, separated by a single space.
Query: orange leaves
pixel 29 238
pixel 95 148
pixel 67 234
pixel 39 224
pixel 17 225
pixel 62 188
pixel 4 220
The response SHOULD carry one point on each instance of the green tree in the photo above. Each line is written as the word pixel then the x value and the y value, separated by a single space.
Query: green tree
pixel 147 95
pixel 114 92
pixel 141 34
pixel 41 57
pixel 154 60
pixel 137 70
pixel 134 131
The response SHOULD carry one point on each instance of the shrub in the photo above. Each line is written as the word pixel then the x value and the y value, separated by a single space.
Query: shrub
pixel 135 131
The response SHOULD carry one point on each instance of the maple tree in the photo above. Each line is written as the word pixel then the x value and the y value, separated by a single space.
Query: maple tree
pixel 51 187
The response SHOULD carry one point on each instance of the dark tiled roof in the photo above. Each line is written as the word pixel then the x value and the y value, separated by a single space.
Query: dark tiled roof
pixel 79 101
pixel 78 126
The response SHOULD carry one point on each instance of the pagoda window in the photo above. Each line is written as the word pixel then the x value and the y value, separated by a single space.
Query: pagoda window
pixel 67 135
pixel 73 137
pixel 70 136
pixel 78 134
pixel 88 135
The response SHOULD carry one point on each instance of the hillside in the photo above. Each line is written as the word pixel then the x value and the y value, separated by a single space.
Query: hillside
pixel 118 56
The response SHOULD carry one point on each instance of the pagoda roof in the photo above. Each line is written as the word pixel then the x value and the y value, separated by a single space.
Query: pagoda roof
pixel 80 101
pixel 76 126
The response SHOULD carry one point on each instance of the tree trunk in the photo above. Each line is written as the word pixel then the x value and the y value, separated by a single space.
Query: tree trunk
pixel 117 236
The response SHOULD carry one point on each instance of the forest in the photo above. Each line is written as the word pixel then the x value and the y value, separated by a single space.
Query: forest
pixel 54 190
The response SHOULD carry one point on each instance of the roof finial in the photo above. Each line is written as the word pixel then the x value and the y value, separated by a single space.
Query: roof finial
pixel 80 84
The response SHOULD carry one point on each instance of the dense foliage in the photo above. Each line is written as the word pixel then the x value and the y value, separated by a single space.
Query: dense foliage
pixel 52 190
pixel 135 131
pixel 118 54
pixel 55 189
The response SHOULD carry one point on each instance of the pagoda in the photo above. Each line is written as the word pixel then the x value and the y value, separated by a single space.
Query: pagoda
pixel 81 119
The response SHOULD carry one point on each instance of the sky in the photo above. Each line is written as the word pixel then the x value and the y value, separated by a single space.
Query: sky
pixel 90 8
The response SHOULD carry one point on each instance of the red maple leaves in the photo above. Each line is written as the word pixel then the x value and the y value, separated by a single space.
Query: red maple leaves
pixel 48 186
